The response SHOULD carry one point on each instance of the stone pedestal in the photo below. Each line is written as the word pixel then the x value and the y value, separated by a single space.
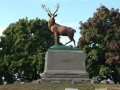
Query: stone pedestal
pixel 64 65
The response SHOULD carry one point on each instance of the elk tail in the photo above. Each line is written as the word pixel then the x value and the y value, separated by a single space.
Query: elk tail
pixel 75 31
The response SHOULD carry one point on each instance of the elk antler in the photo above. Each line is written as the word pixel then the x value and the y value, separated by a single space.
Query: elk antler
pixel 57 7
pixel 47 10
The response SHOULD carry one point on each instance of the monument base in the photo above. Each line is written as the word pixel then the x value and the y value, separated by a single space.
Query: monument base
pixel 64 75
pixel 64 65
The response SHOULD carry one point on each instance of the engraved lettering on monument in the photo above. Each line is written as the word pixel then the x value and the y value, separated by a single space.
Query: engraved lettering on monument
pixel 62 59
pixel 66 60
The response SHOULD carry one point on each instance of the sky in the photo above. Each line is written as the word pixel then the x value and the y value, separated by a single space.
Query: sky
pixel 70 12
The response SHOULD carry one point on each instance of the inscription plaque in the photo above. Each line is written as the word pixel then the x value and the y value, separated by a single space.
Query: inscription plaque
pixel 65 60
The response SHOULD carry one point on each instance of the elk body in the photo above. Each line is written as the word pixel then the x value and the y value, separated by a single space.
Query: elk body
pixel 58 29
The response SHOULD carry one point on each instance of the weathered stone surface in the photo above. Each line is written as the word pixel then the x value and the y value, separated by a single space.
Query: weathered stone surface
pixel 35 81
pixel 71 89
pixel 5 83
pixel 101 89
pixel 55 82
pixel 22 82
pixel 76 82
pixel 111 82
pixel 16 82
pixel 94 81
pixel 105 82
pixel 64 65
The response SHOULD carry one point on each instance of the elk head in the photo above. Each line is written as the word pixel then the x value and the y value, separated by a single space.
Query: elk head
pixel 49 12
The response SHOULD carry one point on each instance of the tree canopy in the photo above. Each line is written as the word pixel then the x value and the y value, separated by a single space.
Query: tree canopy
pixel 100 40
pixel 22 49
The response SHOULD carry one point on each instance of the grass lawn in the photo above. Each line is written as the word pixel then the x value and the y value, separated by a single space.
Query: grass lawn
pixel 62 86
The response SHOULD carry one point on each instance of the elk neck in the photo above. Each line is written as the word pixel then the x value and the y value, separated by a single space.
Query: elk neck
pixel 51 22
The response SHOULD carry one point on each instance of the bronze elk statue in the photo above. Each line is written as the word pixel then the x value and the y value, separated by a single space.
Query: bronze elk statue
pixel 58 29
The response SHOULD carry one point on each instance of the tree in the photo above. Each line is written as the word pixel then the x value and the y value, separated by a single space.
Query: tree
pixel 100 40
pixel 1 60
pixel 23 51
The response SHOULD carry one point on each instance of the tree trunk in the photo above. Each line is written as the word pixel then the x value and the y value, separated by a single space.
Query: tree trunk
pixel 114 74
pixel 35 77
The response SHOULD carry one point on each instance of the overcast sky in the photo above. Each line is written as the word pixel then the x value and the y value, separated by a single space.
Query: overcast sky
pixel 70 13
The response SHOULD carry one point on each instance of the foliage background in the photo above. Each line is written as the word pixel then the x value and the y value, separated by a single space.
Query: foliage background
pixel 101 43
pixel 22 49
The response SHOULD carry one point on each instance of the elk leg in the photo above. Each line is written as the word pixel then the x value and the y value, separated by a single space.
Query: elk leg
pixel 71 39
pixel 68 42
pixel 74 43
pixel 56 38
